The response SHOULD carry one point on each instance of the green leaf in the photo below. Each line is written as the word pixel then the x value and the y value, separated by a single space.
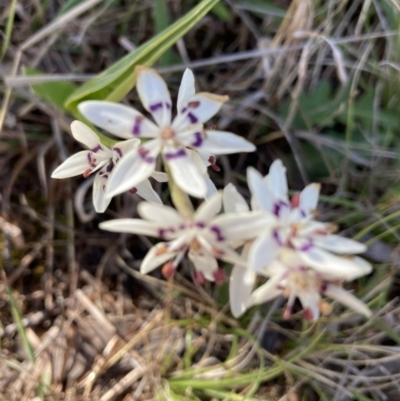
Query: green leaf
pixel 68 5
pixel 116 81
pixel 161 22
pixel 222 12
pixel 55 93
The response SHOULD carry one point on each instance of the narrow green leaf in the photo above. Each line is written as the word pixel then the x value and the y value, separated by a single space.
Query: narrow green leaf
pixel 161 22
pixel 116 81
pixel 222 12
pixel 9 26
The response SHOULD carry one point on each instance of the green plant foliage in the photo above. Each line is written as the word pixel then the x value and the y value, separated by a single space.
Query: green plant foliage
pixel 116 81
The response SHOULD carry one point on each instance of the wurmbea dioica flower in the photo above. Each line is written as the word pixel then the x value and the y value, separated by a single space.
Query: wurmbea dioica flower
pixel 102 160
pixel 205 237
pixel 184 142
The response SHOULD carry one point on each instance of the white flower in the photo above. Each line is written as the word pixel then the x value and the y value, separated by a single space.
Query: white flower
pixel 205 236
pixel 293 227
pixel 103 160
pixel 293 280
pixel 179 141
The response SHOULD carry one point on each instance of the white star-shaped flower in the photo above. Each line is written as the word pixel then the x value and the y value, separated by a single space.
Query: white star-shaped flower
pixel 290 278
pixel 103 160
pixel 205 236
pixel 184 143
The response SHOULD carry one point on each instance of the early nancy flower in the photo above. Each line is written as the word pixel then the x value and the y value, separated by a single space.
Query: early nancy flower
pixel 290 278
pixel 294 227
pixel 205 236
pixel 179 141
pixel 102 160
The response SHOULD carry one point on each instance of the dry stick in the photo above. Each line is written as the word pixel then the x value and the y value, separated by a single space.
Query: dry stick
pixel 54 26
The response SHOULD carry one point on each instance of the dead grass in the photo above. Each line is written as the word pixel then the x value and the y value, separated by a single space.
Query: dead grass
pixel 315 83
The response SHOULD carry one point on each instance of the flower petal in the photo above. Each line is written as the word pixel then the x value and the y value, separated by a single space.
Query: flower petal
pixel 164 216
pixel 122 148
pixel 156 256
pixel 348 299
pixel 308 200
pixel 278 181
pixel 186 89
pixel 185 173
pixel 146 191
pixel 211 188
pixel 133 226
pixel 154 94
pixel 262 196
pixel 199 109
pixel 75 165
pixel 233 201
pixel 83 134
pixel 100 199
pixel 159 176
pixel 265 292
pixel 241 284
pixel 338 244
pixel 224 143
pixel 118 119
pixel 263 251
pixel 339 267
pixel 204 263
pixel 209 209
pixel 133 168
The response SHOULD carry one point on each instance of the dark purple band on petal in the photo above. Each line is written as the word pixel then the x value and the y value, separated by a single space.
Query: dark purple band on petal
pixel 97 148
pixel 118 150
pixel 278 207
pixel 193 119
pixel 179 153
pixel 303 213
pixel 161 232
pixel 306 246
pixel 105 176
pixel 143 153
pixel 137 125
pixel 217 231
pixel 275 234
pixel 198 140
pixel 89 157
pixel 200 224
pixel 154 107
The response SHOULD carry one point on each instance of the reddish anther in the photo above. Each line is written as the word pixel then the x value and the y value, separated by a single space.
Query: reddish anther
pixel 219 276
pixel 212 160
pixel 87 173
pixel 168 270
pixel 199 277
pixel 308 315
pixel 295 201
pixel 133 191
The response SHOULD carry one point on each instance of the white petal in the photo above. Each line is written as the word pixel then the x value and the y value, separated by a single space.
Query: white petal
pixel 227 254
pixel 133 168
pixel 156 256
pixel 154 94
pixel 75 165
pixel 100 199
pixel 198 159
pixel 278 181
pixel 211 188
pixel 262 197
pixel 186 89
pixel 82 133
pixel 239 226
pixel 159 176
pixel 124 147
pixel 204 263
pixel 200 108
pixel 340 267
pixel 309 198
pixel 309 299
pixel 338 244
pixel 223 143
pixel 265 293
pixel 241 284
pixel 118 119
pixel 164 216
pixel 185 173
pixel 263 251
pixel 348 299
pixel 232 200
pixel 133 226
pixel 209 208
pixel 146 191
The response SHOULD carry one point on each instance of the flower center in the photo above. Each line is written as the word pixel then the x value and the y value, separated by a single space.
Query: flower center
pixel 167 133
pixel 195 245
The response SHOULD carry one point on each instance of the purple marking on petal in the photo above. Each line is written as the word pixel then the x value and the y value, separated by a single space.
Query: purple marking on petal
pixel 275 234
pixel 193 119
pixel 306 246
pixel 324 287
pixel 101 173
pixel 97 148
pixel 118 150
pixel 155 106
pixel 169 106
pixel 182 227
pixel 184 110
pixel 277 208
pixel 161 232
pixel 303 213
pixel 179 153
pixel 137 125
pixel 105 176
pixel 89 157
pixel 200 224
pixel 217 231
pixel 143 153
pixel 198 140
pixel 110 167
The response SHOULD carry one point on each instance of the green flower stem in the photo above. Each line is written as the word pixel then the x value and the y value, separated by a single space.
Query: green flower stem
pixel 180 199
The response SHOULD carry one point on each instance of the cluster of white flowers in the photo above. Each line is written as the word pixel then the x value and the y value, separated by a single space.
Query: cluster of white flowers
pixel 277 241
